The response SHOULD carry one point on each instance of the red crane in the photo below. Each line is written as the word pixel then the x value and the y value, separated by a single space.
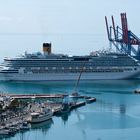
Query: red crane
pixel 124 40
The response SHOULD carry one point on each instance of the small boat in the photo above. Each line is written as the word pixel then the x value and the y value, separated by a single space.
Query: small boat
pixel 65 109
pixel 37 117
pixel 25 126
pixel 7 132
pixel 74 94
pixel 14 128
pixel 137 91
pixel 4 132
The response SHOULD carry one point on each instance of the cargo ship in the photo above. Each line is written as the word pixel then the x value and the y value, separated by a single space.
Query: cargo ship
pixel 47 66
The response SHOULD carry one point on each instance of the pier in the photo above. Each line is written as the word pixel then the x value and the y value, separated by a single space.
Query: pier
pixel 16 113
pixel 31 96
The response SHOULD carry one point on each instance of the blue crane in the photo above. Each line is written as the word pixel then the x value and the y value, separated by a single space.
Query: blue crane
pixel 122 38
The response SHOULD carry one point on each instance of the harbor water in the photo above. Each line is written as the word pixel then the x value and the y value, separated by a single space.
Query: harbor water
pixel 114 116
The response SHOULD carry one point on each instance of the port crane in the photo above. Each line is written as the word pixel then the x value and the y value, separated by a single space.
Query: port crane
pixel 122 38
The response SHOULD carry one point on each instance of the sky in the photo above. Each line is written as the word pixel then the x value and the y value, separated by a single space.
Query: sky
pixel 74 27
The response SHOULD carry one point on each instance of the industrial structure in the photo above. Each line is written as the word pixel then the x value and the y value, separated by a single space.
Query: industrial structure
pixel 122 38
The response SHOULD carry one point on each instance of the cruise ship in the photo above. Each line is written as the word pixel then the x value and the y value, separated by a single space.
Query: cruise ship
pixel 47 66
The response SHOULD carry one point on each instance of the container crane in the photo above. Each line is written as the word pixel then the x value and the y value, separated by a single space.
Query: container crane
pixel 122 38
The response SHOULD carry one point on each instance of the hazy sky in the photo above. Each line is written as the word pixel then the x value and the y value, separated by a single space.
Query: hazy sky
pixel 73 26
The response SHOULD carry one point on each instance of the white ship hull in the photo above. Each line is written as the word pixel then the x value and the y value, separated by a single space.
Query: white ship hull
pixel 42 118
pixel 70 76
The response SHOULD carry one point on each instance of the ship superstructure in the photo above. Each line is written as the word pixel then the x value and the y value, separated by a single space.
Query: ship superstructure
pixel 57 67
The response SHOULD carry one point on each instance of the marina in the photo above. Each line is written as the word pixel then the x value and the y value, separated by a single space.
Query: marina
pixel 115 112
pixel 33 112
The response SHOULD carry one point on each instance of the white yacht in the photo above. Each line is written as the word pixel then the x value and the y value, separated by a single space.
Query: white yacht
pixel 38 117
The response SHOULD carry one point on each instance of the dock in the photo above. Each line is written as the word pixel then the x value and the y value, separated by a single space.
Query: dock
pixel 12 117
pixel 31 96
pixel 83 103
pixel 88 100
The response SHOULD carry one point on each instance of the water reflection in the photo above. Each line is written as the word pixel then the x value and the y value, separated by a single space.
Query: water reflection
pixel 107 120
pixel 58 87
pixel 25 135
pixel 122 108
pixel 65 117
pixel 43 126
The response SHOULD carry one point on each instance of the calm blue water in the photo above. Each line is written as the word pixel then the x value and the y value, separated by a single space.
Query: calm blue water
pixel 115 115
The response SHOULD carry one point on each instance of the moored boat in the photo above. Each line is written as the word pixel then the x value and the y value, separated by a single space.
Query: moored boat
pixel 7 132
pixel 25 126
pixel 37 117
pixel 47 66
pixel 64 109
pixel 137 91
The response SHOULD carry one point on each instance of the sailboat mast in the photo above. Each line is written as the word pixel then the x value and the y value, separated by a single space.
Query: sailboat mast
pixel 77 83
